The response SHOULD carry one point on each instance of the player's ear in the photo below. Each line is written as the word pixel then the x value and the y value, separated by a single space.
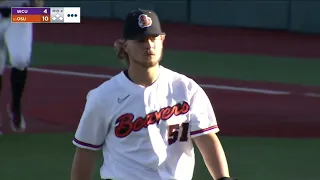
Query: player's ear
pixel 125 46
pixel 118 44
pixel 163 37
pixel 120 50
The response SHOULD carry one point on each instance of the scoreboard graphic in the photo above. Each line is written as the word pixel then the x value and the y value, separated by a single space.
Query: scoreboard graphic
pixel 45 15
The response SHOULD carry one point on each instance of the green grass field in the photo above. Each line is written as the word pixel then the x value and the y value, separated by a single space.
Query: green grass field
pixel 49 156
pixel 233 66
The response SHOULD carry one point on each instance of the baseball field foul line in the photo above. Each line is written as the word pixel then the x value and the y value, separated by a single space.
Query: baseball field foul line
pixel 208 86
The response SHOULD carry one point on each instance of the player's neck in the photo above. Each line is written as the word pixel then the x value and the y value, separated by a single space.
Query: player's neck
pixel 143 76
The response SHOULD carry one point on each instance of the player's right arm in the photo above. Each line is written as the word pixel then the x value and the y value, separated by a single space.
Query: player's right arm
pixel 89 138
pixel 83 164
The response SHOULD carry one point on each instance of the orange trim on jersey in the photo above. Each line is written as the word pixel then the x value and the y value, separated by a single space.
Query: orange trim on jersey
pixel 203 130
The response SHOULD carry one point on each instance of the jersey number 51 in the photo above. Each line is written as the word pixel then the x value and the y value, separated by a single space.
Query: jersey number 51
pixel 173 132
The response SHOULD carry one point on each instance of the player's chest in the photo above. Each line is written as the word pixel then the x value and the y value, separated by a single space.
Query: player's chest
pixel 153 115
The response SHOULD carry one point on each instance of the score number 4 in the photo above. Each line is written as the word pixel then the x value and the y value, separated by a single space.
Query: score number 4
pixel 173 132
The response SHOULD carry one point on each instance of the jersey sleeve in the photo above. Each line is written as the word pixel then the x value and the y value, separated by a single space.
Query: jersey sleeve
pixel 92 128
pixel 202 116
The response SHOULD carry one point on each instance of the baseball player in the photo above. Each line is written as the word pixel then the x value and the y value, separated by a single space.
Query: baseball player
pixel 16 46
pixel 146 118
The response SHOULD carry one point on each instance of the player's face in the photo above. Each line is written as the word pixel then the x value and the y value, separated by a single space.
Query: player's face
pixel 146 52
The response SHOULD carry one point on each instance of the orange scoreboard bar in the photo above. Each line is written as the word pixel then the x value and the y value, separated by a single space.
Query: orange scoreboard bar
pixel 45 14
pixel 30 15
pixel 30 18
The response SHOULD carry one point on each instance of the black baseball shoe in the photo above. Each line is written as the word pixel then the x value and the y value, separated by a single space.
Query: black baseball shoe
pixel 18 124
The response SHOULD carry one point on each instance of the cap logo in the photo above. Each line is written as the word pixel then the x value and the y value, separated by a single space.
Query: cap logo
pixel 144 21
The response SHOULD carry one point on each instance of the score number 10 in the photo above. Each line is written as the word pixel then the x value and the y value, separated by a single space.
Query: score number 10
pixel 45 18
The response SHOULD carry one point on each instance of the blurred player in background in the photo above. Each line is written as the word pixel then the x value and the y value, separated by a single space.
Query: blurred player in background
pixel 16 46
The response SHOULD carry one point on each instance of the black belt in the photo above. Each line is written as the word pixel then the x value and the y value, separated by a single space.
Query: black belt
pixel 5 12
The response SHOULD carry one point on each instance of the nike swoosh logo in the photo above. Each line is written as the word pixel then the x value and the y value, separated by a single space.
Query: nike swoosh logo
pixel 120 100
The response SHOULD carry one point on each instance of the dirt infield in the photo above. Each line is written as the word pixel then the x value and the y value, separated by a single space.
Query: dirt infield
pixel 52 108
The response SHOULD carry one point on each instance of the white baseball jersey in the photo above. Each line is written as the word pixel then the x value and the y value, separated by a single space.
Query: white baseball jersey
pixel 145 133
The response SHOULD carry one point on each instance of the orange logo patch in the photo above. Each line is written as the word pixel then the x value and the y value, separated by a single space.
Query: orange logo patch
pixel 144 21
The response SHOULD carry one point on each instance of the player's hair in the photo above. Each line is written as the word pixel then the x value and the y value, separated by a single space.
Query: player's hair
pixel 121 53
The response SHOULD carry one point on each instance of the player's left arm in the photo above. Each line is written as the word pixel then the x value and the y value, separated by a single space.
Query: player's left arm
pixel 89 137
pixel 204 127
pixel 213 155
